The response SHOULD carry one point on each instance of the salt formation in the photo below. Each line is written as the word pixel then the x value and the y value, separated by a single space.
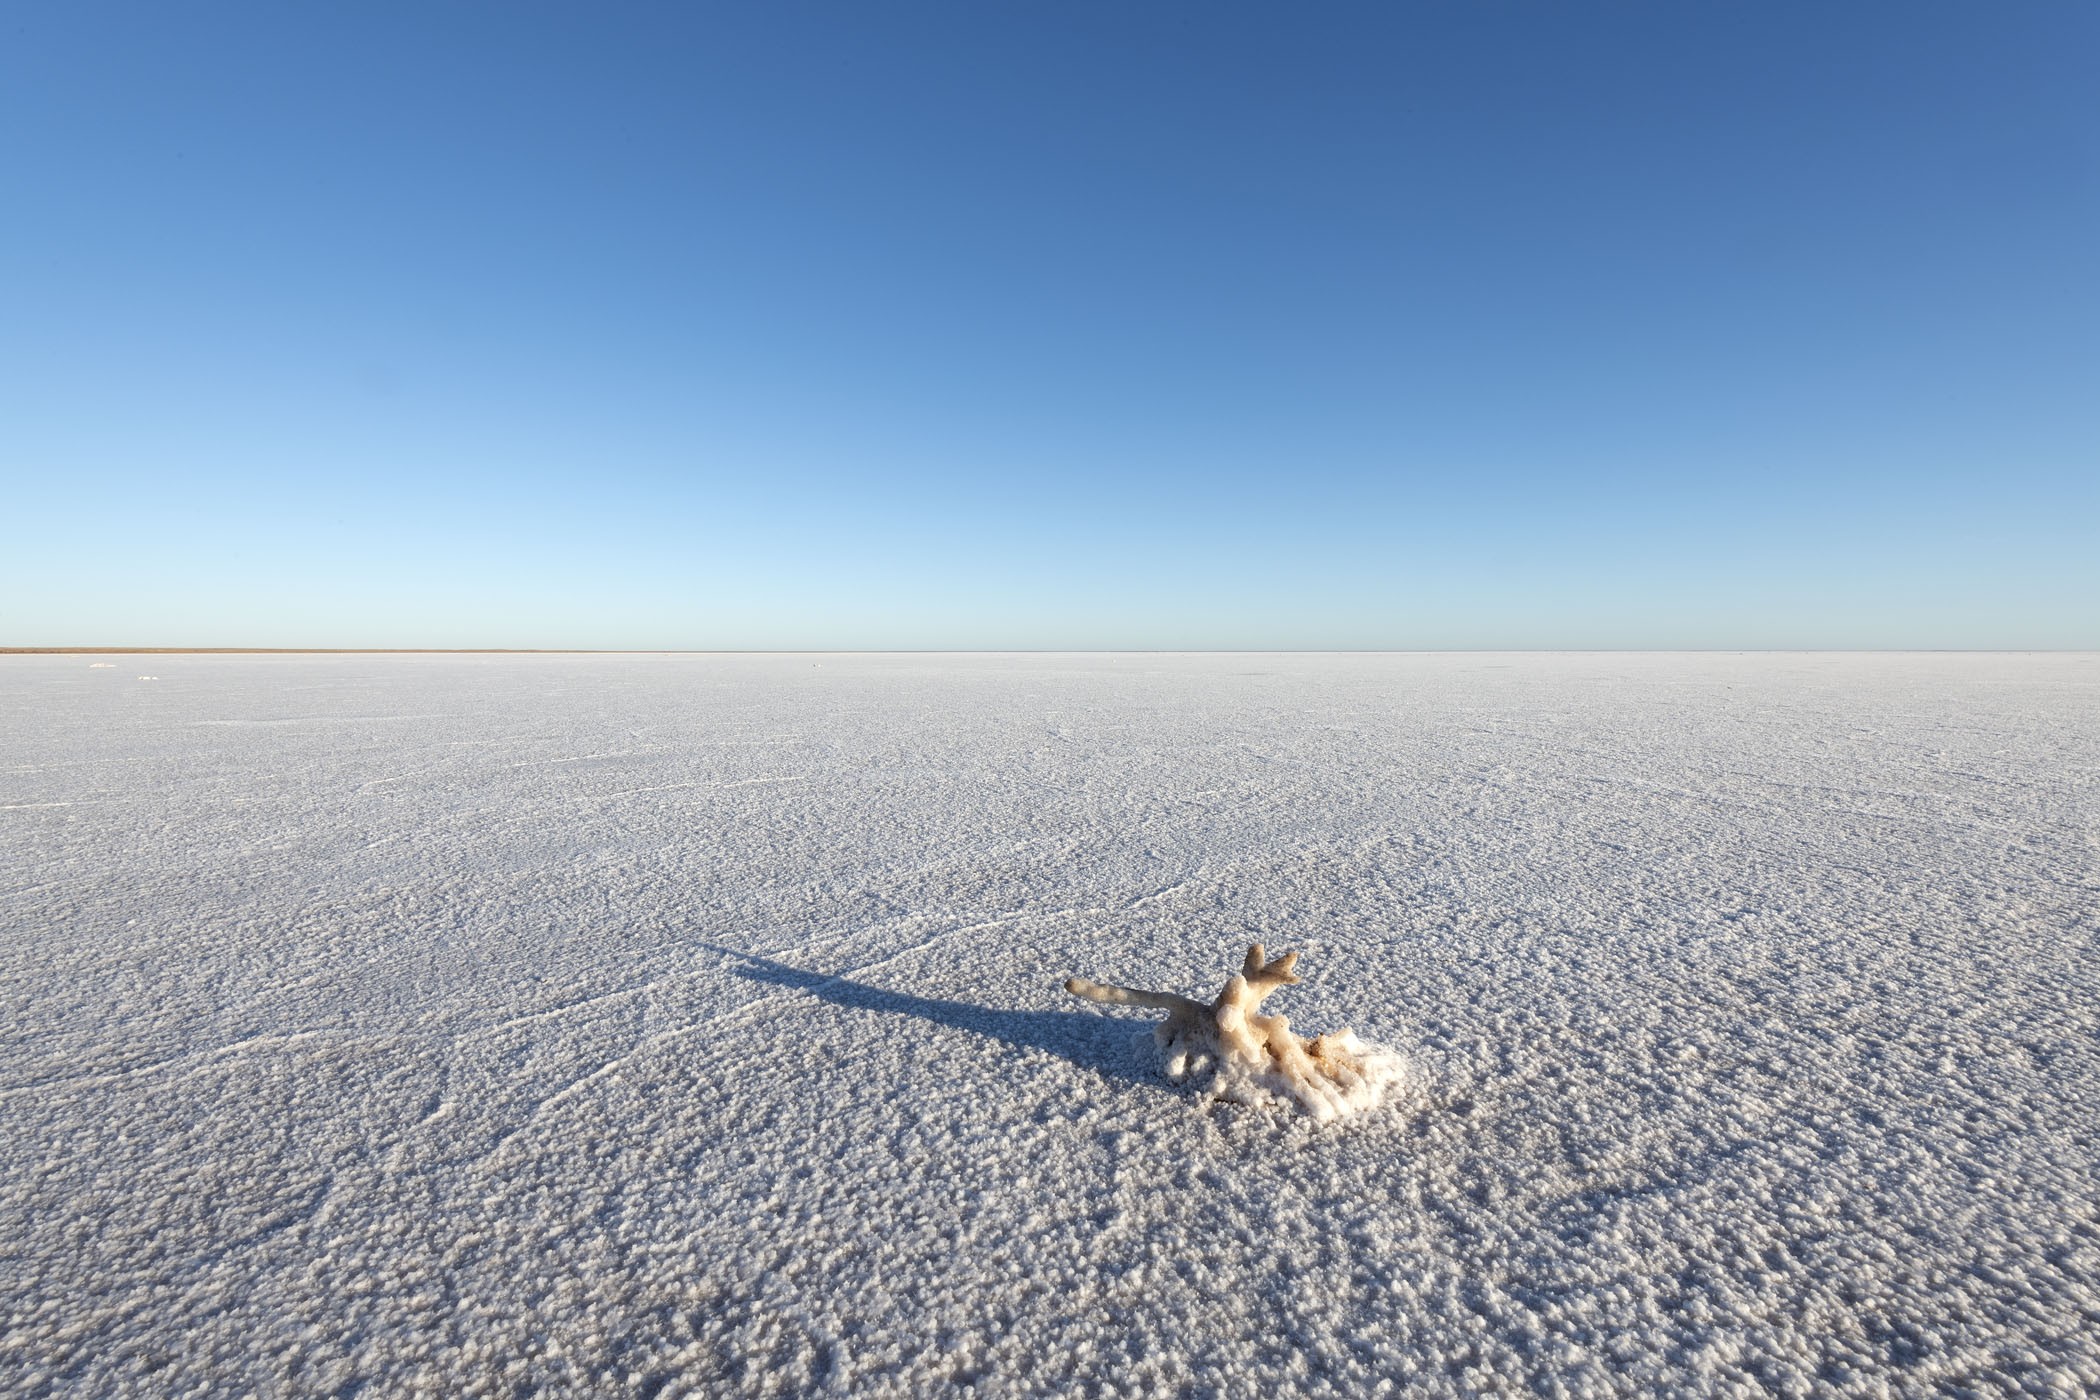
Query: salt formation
pixel 1252 1058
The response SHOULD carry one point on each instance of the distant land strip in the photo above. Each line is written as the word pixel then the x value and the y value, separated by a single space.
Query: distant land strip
pixel 321 651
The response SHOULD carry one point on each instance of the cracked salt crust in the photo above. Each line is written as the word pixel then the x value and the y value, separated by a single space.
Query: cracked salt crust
pixel 666 1026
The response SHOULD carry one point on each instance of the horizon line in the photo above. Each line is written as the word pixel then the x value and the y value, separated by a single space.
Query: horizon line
pixel 996 651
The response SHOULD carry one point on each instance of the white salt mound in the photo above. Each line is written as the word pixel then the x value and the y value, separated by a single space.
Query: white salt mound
pixel 1380 1073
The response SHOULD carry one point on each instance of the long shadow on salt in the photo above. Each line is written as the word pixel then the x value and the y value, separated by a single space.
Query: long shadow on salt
pixel 1089 1041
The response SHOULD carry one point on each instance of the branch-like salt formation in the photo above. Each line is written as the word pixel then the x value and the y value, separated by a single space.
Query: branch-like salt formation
pixel 1252 1057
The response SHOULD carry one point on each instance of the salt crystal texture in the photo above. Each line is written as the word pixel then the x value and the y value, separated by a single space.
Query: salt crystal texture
pixel 683 1026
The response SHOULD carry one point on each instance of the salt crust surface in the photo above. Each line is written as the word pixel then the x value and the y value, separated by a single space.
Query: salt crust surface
pixel 686 1025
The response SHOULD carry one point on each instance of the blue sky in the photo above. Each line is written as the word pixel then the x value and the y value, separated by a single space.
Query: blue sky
pixel 1074 325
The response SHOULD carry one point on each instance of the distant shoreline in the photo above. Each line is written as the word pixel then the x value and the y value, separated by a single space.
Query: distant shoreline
pixel 320 651
pixel 1048 651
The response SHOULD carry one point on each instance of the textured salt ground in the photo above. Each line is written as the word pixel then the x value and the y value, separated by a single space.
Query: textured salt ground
pixel 689 1025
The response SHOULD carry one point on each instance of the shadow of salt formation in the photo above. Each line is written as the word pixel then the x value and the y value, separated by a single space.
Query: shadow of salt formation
pixel 1092 1042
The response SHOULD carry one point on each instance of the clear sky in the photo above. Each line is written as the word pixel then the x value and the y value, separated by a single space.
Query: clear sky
pixel 1157 324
